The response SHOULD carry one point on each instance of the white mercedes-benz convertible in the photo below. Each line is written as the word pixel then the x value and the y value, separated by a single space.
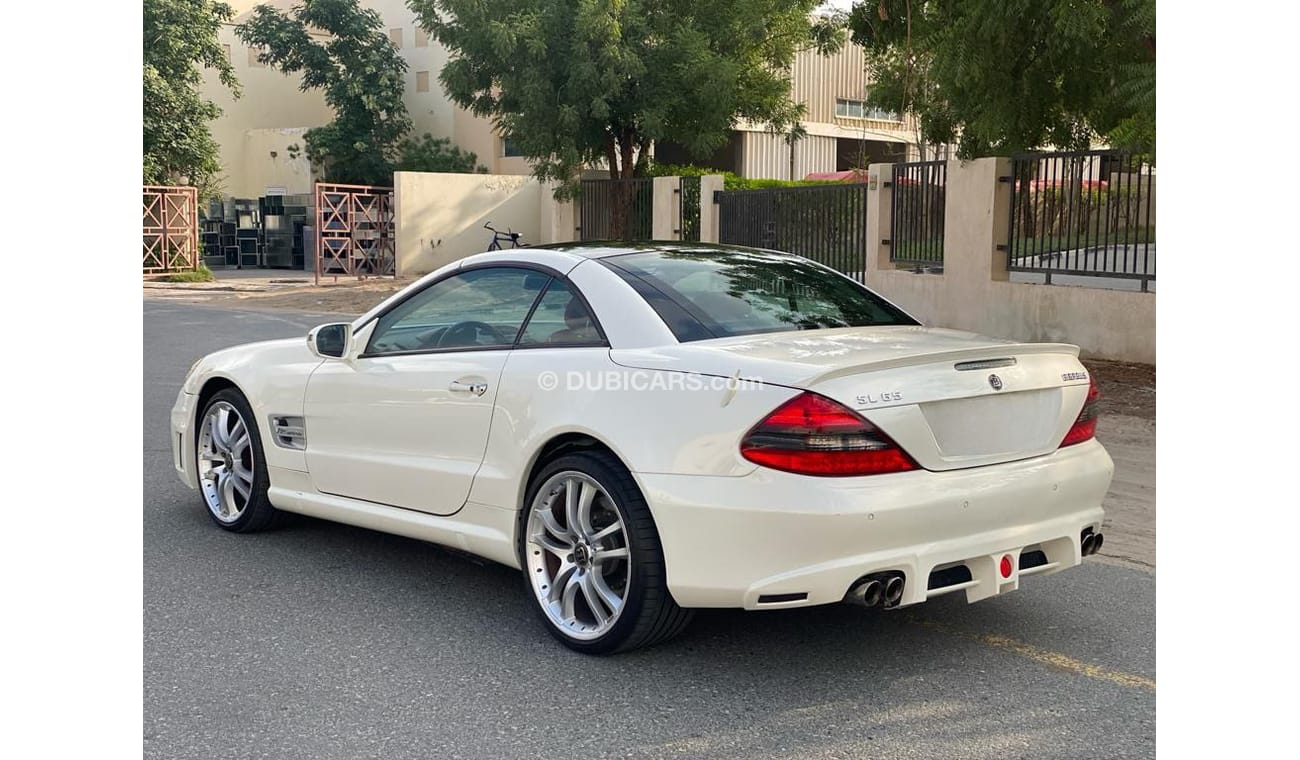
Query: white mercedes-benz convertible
pixel 645 429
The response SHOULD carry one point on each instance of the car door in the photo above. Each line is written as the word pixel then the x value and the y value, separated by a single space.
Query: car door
pixel 404 420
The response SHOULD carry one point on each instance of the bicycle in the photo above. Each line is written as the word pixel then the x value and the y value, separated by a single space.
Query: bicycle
pixel 497 236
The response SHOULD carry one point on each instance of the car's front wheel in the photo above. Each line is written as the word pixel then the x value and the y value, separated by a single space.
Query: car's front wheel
pixel 232 472
pixel 591 553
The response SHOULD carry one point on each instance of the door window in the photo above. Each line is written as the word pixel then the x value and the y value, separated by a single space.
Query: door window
pixel 561 319
pixel 478 309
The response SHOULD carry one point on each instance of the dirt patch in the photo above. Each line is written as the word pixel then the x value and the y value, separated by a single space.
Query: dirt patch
pixel 1128 389
pixel 344 297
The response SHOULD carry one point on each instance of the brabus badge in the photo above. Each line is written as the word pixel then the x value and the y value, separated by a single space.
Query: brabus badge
pixel 996 382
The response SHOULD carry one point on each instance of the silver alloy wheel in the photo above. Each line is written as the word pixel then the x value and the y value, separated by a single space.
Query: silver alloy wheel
pixel 226 464
pixel 577 555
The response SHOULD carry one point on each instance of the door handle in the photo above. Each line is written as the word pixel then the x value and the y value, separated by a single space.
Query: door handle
pixel 478 389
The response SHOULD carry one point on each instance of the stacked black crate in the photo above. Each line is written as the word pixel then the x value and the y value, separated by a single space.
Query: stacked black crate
pixel 283 219
pixel 248 232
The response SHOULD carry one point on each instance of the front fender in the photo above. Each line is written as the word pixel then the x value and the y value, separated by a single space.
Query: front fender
pixel 272 375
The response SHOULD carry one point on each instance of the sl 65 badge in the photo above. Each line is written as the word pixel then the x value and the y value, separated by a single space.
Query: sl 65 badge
pixel 1068 376
pixel 880 398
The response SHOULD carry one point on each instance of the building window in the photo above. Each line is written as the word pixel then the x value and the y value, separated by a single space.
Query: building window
pixel 253 53
pixel 848 108
pixel 421 37
pixel 421 81
pixel 395 37
pixel 509 149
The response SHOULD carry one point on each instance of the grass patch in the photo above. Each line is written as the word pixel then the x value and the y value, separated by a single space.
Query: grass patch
pixel 202 274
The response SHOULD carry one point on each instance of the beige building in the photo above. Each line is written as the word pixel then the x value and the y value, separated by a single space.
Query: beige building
pixel 261 133
pixel 842 132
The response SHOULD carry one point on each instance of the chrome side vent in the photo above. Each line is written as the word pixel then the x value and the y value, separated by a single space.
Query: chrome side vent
pixel 1010 361
pixel 289 432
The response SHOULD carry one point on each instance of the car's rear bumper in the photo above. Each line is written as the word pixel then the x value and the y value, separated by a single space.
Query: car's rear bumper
pixel 804 540
pixel 183 438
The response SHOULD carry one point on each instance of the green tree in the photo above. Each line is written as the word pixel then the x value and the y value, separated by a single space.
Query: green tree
pixel 180 36
pixel 575 82
pixel 342 50
pixel 1001 76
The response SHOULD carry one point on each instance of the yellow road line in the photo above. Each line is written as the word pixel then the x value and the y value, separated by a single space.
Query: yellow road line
pixel 1045 656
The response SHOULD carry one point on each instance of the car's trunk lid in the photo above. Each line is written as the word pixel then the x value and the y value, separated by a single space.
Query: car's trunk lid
pixel 950 399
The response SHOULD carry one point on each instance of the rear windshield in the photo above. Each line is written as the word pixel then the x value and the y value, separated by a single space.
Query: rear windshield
pixel 718 294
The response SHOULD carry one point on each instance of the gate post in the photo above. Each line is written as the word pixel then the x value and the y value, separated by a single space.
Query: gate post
pixel 879 220
pixel 709 185
pixel 662 205
pixel 976 210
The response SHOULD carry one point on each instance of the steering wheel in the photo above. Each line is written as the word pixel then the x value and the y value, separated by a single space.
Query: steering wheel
pixel 466 334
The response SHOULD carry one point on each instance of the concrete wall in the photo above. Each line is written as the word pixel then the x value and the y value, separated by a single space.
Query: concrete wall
pixel 268 162
pixel 440 217
pixel 270 101
pixel 974 292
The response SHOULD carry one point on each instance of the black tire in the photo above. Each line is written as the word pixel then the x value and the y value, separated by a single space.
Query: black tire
pixel 650 615
pixel 257 513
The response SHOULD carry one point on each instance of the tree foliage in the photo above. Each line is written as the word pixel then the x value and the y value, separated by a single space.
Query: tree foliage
pixel 435 154
pixel 576 82
pixel 342 50
pixel 1001 76
pixel 180 37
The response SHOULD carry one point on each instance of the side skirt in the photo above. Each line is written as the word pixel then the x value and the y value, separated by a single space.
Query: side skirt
pixel 477 528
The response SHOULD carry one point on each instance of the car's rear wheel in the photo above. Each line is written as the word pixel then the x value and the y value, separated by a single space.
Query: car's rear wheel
pixel 591 553
pixel 232 472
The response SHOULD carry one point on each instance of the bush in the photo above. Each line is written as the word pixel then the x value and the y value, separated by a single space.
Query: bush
pixel 435 154
pixel 731 180
pixel 202 274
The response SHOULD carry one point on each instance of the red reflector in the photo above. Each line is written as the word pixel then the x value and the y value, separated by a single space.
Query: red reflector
pixel 1006 566
pixel 1085 425
pixel 813 435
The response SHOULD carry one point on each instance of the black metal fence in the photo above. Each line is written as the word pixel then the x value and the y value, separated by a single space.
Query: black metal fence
pixel 1087 213
pixel 916 211
pixel 616 209
pixel 688 208
pixel 825 223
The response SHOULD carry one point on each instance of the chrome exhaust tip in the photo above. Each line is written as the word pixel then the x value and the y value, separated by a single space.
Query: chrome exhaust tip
pixel 868 593
pixel 893 590
pixel 1087 544
pixel 1096 544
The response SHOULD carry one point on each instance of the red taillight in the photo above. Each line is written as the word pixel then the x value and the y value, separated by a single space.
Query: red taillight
pixel 813 435
pixel 1085 426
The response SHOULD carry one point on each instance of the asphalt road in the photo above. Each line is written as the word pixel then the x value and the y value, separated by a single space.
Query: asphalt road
pixel 320 640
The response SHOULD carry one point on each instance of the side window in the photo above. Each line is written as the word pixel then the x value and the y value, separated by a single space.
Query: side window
pixel 561 319
pixel 481 308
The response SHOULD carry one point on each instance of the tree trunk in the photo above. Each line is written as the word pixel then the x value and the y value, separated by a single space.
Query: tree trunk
pixel 623 191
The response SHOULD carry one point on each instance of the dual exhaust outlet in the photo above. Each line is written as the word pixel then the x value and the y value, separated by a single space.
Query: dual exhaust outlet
pixel 1090 543
pixel 877 590
pixel 886 589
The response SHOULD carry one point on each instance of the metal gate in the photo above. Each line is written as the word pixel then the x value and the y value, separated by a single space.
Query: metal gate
pixel 355 232
pixel 616 209
pixel 825 223
pixel 171 234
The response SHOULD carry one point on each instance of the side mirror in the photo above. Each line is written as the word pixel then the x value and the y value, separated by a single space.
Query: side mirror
pixel 330 341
